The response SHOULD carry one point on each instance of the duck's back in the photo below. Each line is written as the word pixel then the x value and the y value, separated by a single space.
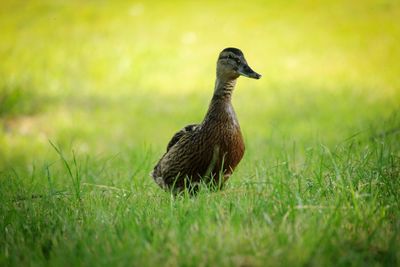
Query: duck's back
pixel 185 161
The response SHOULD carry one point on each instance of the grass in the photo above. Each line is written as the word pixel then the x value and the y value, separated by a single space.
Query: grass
pixel 90 94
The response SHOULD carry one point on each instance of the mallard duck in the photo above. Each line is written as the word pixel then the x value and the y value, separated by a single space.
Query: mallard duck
pixel 210 151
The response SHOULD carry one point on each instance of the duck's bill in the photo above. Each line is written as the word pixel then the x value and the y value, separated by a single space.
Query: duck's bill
pixel 246 71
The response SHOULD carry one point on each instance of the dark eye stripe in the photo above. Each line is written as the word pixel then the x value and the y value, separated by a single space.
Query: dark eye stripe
pixel 230 57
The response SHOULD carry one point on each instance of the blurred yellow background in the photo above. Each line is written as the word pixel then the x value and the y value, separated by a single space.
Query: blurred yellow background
pixel 102 77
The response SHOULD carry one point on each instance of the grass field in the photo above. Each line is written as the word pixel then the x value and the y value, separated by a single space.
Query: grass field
pixel 91 92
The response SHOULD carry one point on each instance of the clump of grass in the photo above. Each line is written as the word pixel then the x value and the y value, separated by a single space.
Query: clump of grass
pixel 338 207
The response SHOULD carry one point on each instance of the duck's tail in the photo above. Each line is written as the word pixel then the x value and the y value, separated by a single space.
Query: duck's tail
pixel 157 176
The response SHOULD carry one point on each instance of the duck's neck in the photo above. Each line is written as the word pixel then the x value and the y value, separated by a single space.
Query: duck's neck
pixel 224 88
pixel 220 109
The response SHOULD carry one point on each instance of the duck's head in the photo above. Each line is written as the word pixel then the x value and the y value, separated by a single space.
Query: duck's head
pixel 231 64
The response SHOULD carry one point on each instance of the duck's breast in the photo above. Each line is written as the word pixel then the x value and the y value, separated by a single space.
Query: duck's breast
pixel 234 149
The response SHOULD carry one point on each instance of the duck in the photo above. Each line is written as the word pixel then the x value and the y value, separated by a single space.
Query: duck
pixel 208 152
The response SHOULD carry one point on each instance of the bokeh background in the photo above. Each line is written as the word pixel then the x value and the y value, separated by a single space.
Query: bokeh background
pixel 106 78
pixel 110 82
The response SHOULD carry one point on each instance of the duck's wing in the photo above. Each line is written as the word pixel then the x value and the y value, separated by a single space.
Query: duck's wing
pixel 157 173
pixel 177 136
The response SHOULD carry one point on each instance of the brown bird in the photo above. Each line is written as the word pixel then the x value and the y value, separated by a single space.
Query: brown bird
pixel 208 152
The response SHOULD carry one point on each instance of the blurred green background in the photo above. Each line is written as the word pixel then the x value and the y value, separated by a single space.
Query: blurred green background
pixel 108 78
pixel 111 82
